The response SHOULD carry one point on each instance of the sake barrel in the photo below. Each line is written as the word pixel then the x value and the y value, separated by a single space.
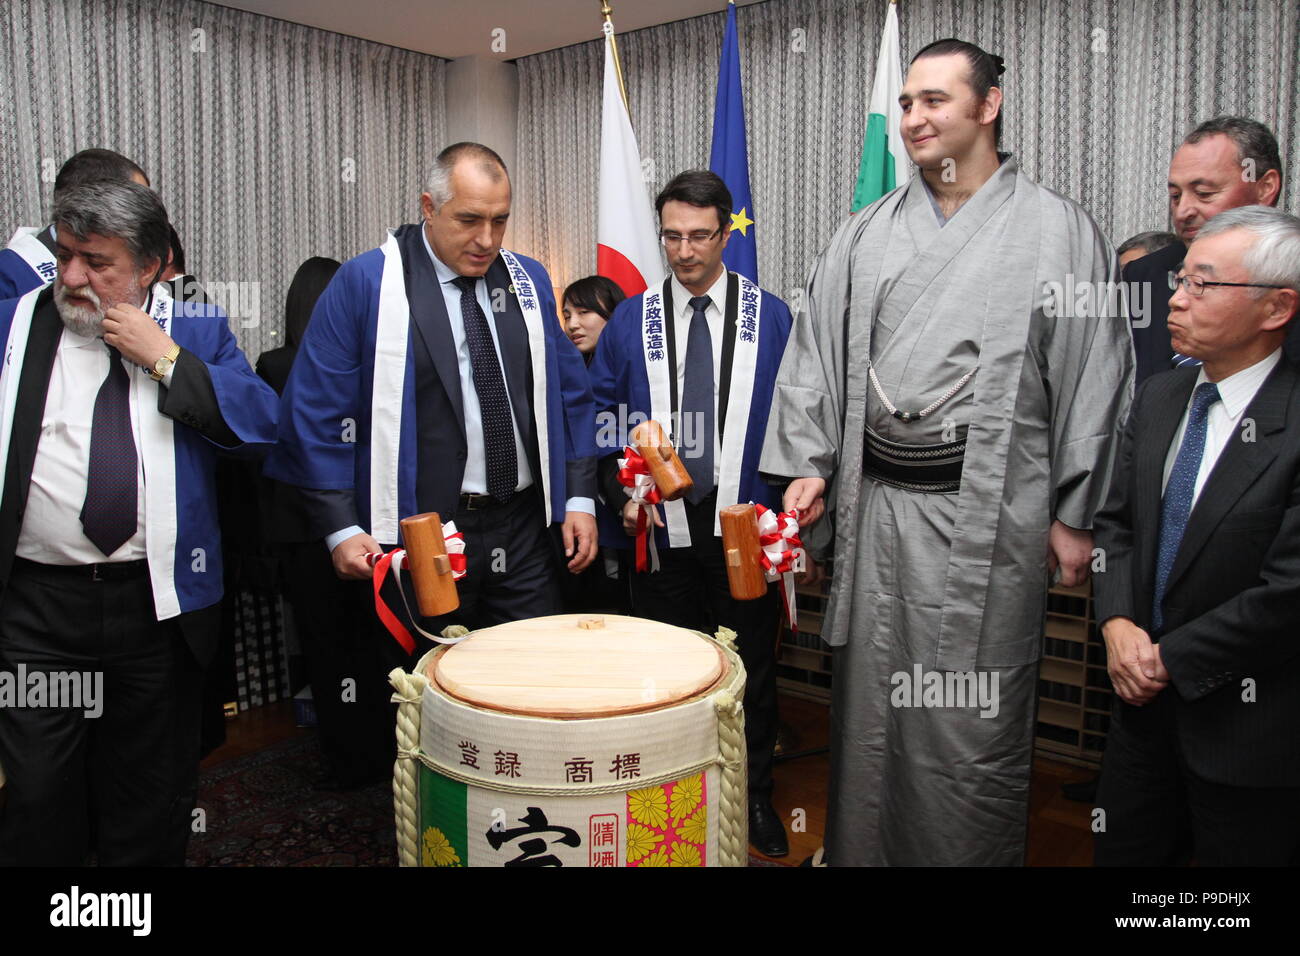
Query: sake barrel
pixel 573 740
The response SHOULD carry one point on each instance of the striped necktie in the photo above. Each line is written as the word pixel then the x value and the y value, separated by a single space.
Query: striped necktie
pixel 109 516
pixel 1176 506
pixel 1179 360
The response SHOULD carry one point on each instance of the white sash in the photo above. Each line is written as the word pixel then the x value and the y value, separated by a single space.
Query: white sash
pixel 529 304
pixel 744 360
pixel 12 370
pixel 32 251
pixel 740 396
pixel 390 375
pixel 158 457
pixel 391 336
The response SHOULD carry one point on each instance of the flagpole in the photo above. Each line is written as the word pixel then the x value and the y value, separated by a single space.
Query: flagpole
pixel 606 11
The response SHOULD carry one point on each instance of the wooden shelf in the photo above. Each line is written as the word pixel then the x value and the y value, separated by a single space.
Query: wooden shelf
pixel 1062 672
pixel 1067 629
pixel 1058 714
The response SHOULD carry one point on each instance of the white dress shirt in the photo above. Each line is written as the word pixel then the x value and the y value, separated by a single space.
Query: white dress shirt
pixel 51 531
pixel 1223 420
pixel 474 480
pixel 715 314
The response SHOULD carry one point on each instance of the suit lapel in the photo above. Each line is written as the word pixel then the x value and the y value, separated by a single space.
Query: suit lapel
pixel 429 317
pixel 516 356
pixel 29 411
pixel 1238 466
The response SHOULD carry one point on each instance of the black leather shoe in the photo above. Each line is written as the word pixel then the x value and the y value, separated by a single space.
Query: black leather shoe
pixel 766 834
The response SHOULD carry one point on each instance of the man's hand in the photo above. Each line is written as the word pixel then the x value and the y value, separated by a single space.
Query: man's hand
pixel 630 511
pixel 1071 551
pixel 579 540
pixel 1133 661
pixel 805 495
pixel 349 557
pixel 135 335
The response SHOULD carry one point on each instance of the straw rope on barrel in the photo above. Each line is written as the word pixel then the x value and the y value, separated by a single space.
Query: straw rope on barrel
pixel 485 769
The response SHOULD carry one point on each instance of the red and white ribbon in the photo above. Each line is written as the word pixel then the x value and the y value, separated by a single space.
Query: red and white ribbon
pixel 395 561
pixel 634 475
pixel 783 553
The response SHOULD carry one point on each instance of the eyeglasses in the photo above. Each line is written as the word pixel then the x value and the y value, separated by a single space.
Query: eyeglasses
pixel 1195 285
pixel 670 239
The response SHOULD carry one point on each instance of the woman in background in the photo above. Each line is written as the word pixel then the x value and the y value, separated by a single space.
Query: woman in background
pixel 587 306
pixel 308 283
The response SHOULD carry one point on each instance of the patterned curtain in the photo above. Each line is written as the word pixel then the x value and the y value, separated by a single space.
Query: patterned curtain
pixel 1098 95
pixel 268 142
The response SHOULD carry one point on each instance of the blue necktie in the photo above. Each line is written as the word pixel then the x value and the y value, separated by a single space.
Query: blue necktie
pixel 1179 360
pixel 494 404
pixel 108 515
pixel 1176 506
pixel 697 401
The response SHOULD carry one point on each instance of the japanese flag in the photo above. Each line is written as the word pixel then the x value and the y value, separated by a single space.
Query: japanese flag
pixel 627 244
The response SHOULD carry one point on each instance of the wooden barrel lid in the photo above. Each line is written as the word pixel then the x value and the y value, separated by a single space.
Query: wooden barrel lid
pixel 578 665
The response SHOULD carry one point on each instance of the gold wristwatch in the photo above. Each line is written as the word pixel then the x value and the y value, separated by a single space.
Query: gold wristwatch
pixel 164 364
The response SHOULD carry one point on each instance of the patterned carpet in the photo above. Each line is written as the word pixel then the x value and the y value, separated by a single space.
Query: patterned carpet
pixel 262 811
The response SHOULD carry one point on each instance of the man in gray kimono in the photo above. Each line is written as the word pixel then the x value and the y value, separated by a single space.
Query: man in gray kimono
pixel 954 393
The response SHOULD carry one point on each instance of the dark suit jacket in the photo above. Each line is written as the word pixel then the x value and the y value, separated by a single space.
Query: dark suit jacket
pixel 1232 604
pixel 1151 342
pixel 190 399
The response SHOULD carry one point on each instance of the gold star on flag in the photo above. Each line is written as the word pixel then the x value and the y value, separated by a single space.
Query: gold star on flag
pixel 740 221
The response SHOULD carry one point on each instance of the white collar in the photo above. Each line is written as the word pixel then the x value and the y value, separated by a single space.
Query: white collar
pixel 1238 389
pixel 440 268
pixel 73 340
pixel 717 294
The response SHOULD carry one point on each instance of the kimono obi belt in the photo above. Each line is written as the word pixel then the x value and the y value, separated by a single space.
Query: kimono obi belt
pixel 573 740
pixel 932 469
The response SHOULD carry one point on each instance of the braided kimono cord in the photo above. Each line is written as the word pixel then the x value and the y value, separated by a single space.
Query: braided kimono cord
pixel 733 822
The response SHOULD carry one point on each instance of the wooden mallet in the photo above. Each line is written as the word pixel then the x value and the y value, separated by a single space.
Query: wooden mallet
pixel 429 564
pixel 741 550
pixel 669 474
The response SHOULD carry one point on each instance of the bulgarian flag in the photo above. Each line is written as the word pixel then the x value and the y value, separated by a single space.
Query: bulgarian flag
pixel 884 160
pixel 627 245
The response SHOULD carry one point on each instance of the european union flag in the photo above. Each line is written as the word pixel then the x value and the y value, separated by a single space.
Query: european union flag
pixel 729 157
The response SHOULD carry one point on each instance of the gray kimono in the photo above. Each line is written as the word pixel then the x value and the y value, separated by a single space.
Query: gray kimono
pixel 1014 285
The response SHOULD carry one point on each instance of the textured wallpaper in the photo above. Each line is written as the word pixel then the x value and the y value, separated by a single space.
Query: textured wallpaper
pixel 268 142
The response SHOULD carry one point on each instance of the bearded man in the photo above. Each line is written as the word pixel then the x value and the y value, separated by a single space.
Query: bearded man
pixel 114 403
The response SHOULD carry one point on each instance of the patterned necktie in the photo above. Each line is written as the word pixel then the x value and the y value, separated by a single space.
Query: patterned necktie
pixel 494 403
pixel 697 401
pixel 1176 506
pixel 1179 360
pixel 109 513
